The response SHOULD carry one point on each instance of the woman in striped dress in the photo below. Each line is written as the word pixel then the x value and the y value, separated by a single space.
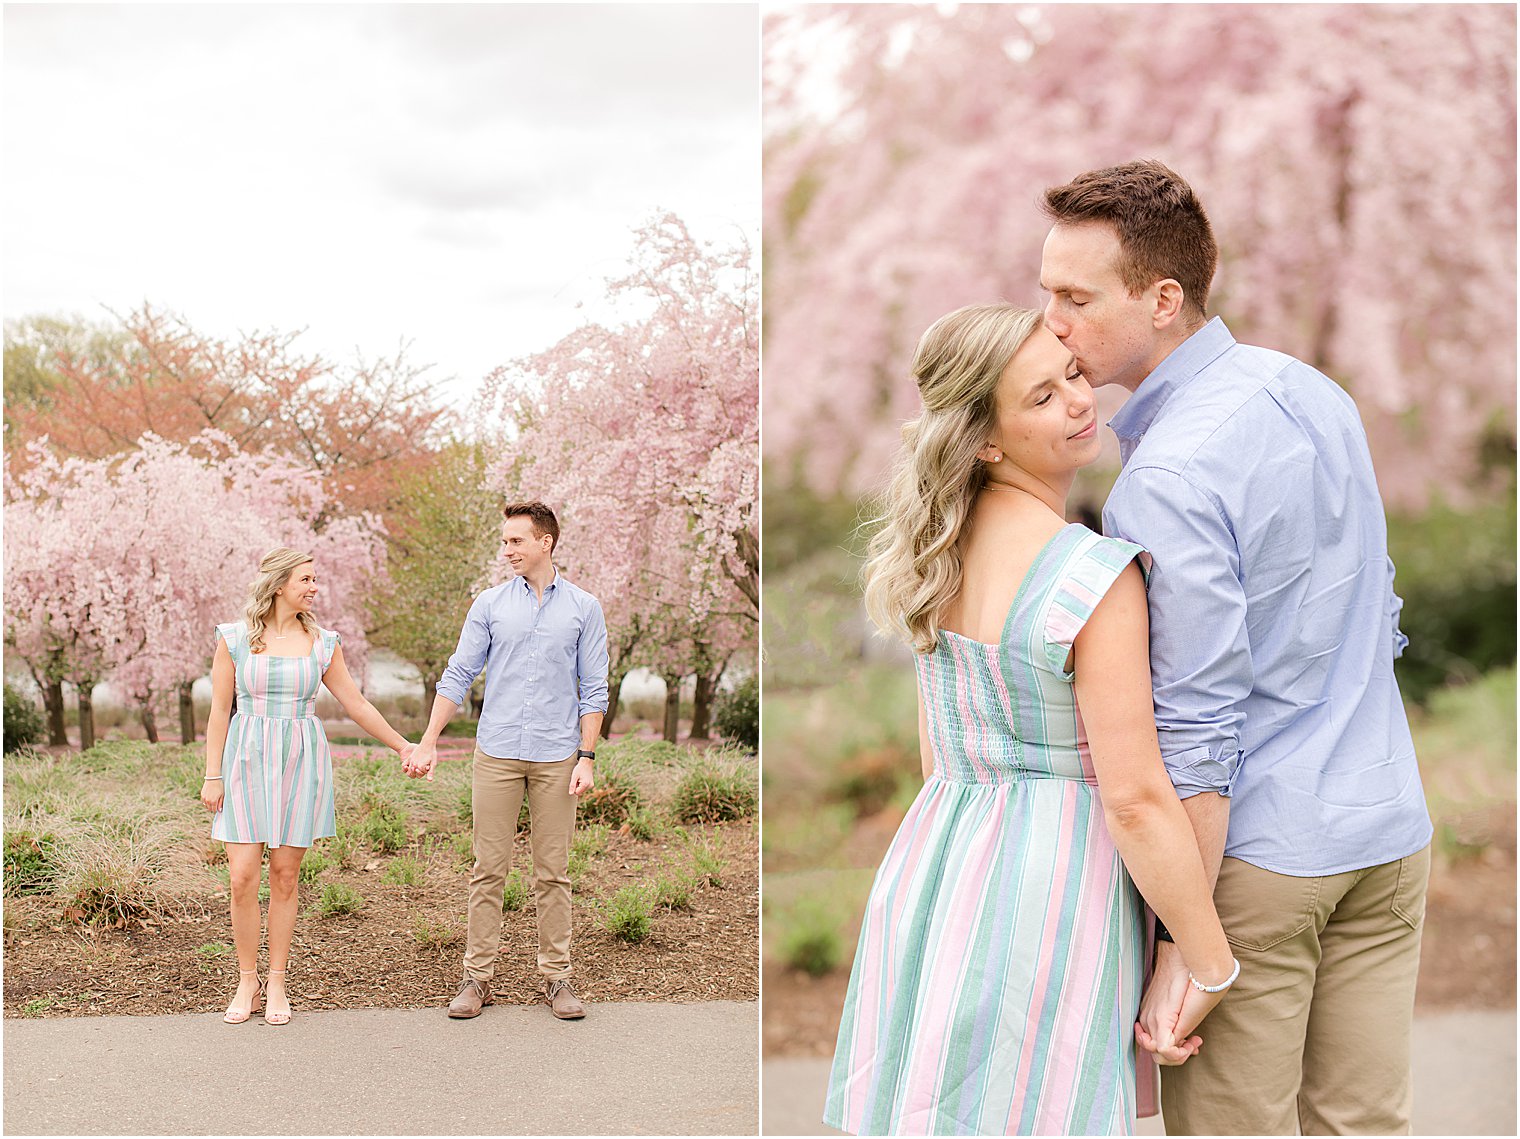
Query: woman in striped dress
pixel 998 977
pixel 269 775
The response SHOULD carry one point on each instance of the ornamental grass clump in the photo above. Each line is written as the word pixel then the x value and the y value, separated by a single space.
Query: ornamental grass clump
pixel 709 793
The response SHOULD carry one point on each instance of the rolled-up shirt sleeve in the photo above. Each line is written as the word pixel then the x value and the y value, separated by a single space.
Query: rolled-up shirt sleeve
pixel 591 661
pixel 469 656
pixel 1200 652
pixel 1395 607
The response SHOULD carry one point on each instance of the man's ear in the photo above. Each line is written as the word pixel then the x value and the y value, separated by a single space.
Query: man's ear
pixel 1168 304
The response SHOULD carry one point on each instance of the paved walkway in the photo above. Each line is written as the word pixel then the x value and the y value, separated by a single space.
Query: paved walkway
pixel 627 1069
pixel 1464 1081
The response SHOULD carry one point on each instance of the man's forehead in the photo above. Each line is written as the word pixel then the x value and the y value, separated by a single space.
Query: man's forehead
pixel 1075 255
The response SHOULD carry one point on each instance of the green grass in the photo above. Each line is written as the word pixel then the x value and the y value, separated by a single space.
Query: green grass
pixel 37 1007
pixel 514 892
pixel 403 871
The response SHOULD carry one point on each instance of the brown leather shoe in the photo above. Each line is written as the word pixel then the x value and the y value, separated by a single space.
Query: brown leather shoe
pixel 562 999
pixel 473 996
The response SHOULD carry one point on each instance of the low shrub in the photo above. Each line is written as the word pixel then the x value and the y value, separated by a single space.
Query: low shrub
pixel 514 893
pixel 343 846
pixel 385 827
pixel 710 794
pixel 29 866
pixel 23 722
pixel 642 824
pixel 462 846
pixel 737 715
pixel 706 863
pixel 436 933
pixel 312 867
pixel 611 801
pixel 108 873
pixel 403 871
pixel 673 892
pixel 627 915
pixel 339 899
pixel 810 940
pixel 872 778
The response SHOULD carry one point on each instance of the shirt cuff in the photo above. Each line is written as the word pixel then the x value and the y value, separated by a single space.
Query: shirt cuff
pixel 447 691
pixel 1199 769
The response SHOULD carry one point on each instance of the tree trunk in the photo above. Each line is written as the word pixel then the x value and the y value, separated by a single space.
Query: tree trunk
pixel 52 701
pixel 86 715
pixel 149 720
pixel 186 713
pixel 707 687
pixel 614 690
pixel 672 708
pixel 428 692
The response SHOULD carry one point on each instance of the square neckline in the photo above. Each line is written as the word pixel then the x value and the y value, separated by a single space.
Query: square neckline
pixel 1013 606
pixel 316 642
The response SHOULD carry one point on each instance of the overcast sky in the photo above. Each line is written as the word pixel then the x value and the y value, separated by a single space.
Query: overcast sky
pixel 459 176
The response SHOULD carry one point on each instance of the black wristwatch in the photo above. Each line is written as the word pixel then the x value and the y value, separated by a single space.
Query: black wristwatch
pixel 584 754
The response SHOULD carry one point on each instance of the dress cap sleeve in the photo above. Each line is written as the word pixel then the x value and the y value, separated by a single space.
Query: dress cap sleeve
pixel 330 642
pixel 235 634
pixel 1086 578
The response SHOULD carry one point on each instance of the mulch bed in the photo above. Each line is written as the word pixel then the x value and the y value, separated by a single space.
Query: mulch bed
pixel 373 958
pixel 1467 955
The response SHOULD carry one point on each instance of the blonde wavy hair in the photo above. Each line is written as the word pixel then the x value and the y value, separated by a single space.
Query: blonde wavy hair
pixel 275 569
pixel 913 565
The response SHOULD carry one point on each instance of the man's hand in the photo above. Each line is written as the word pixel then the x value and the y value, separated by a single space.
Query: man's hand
pixel 421 760
pixel 1162 1028
pixel 582 778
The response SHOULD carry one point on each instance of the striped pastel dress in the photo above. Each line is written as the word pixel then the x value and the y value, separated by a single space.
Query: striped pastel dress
pixel 277 767
pixel 999 970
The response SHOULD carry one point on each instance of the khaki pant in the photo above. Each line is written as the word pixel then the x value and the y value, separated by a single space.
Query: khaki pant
pixel 496 795
pixel 1315 1033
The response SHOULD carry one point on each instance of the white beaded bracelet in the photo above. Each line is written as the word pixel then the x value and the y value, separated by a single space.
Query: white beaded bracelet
pixel 1219 988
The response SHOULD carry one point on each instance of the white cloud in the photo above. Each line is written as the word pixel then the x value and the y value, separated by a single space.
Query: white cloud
pixel 456 175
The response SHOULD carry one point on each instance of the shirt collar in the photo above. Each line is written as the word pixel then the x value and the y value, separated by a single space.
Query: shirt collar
pixel 523 581
pixel 1181 366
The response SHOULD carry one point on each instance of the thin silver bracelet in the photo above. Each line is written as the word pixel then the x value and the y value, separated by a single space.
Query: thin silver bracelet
pixel 1202 988
pixel 211 777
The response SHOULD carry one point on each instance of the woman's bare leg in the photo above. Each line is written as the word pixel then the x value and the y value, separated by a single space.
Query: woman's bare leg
pixel 284 877
pixel 244 862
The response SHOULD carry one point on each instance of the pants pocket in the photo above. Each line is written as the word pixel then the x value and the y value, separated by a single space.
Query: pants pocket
pixel 1259 908
pixel 1409 892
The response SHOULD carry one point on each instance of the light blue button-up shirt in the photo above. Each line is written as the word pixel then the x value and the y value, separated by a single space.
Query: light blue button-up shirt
pixel 545 665
pixel 1274 625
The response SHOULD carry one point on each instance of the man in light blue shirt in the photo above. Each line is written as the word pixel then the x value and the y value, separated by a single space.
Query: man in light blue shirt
pixel 543 645
pixel 1274 628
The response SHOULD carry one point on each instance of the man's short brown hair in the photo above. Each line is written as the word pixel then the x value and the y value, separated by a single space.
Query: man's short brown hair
pixel 541 516
pixel 1163 231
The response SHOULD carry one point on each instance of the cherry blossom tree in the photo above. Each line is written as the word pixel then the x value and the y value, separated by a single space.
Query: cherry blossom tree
pixel 94 391
pixel 645 438
pixel 122 567
pixel 1358 163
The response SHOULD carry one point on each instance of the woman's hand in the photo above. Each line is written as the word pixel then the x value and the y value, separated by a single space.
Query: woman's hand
pixel 211 794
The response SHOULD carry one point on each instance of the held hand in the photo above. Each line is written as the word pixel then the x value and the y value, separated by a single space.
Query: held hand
pixel 211 794
pixel 1160 1010
pixel 420 763
pixel 582 778
pixel 406 754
